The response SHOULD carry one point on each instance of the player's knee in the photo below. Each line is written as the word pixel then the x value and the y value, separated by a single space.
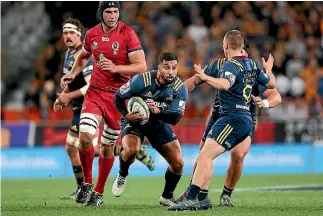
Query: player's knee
pixel 86 140
pixel 177 165
pixel 109 136
pixel 72 142
pixel 238 156
pixel 132 150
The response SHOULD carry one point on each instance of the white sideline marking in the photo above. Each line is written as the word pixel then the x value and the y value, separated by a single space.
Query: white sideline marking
pixel 270 188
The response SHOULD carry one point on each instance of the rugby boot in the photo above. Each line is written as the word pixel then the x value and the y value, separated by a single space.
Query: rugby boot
pixel 96 199
pixel 71 196
pixel 119 185
pixel 225 200
pixel 144 158
pixel 83 194
pixel 166 202
pixel 185 204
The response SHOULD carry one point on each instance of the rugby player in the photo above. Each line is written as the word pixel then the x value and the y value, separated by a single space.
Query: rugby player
pixel 118 55
pixel 238 75
pixel 166 96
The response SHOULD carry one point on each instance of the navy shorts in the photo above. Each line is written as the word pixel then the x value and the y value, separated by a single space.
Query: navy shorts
pixel 75 126
pixel 210 122
pixel 230 130
pixel 158 134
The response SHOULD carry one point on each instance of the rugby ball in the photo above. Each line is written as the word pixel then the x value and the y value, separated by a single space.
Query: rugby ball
pixel 137 103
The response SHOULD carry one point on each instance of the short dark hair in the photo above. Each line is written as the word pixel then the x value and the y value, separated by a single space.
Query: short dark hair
pixel 235 38
pixel 167 56
pixel 76 22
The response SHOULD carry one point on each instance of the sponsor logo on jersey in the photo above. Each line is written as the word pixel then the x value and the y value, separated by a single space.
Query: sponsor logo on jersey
pixel 238 106
pixel 94 45
pixel 181 105
pixel 125 88
pixel 105 39
pixel 148 95
pixel 169 98
pixel 115 47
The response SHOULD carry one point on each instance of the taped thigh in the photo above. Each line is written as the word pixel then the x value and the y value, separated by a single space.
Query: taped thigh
pixel 109 135
pixel 88 123
pixel 72 140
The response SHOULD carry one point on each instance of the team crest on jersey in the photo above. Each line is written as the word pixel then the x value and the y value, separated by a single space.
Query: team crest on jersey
pixel 125 88
pixel 94 45
pixel 115 47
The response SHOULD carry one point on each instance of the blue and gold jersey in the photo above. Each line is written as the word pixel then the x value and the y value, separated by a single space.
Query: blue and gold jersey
pixel 171 97
pixel 242 74
pixel 81 79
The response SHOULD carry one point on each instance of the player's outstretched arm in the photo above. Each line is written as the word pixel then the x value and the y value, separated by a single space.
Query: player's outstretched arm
pixel 192 82
pixel 218 83
pixel 137 64
pixel 273 97
pixel 268 65
pixel 80 63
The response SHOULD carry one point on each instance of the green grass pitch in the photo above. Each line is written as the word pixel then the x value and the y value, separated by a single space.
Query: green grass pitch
pixel 42 197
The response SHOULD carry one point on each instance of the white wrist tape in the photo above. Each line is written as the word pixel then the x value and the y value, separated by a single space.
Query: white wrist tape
pixel 266 103
pixel 84 89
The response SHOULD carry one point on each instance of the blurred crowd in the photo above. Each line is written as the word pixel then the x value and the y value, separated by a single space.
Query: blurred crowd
pixel 291 31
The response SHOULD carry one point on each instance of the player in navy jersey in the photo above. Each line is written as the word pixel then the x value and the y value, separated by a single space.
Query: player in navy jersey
pixel 262 97
pixel 74 93
pixel 236 79
pixel 166 96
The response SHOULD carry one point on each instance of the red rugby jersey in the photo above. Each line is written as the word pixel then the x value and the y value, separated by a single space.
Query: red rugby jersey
pixel 115 46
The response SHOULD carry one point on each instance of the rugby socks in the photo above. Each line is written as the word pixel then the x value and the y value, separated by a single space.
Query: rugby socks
pixel 171 180
pixel 87 156
pixel 193 192
pixel 226 191
pixel 78 172
pixel 105 166
pixel 124 166
pixel 203 194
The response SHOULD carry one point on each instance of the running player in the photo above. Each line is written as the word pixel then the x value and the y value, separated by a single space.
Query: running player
pixel 238 75
pixel 271 99
pixel 118 54
pixel 166 96
pixel 74 92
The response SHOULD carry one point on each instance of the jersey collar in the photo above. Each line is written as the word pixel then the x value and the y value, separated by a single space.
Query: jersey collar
pixel 70 51
pixel 240 57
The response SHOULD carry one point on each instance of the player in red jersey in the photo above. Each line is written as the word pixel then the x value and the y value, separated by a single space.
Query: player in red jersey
pixel 117 54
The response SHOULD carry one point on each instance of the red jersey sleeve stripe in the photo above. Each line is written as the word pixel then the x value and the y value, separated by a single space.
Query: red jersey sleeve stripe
pixel 139 48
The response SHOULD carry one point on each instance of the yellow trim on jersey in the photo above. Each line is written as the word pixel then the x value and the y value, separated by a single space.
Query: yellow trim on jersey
pixel 77 54
pixel 224 134
pixel 220 63
pixel 178 83
pixel 147 78
pixel 254 65
pixel 237 63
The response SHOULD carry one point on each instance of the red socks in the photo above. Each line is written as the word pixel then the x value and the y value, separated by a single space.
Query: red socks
pixel 105 166
pixel 87 156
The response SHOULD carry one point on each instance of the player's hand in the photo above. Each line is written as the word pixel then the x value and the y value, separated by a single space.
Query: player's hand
pixel 260 103
pixel 134 117
pixel 199 72
pixel 58 106
pixel 107 65
pixel 63 98
pixel 66 79
pixel 268 65
pixel 152 106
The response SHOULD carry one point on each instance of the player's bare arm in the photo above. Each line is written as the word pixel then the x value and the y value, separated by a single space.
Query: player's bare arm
pixel 137 64
pixel 268 65
pixel 273 99
pixel 79 64
pixel 192 82
pixel 218 83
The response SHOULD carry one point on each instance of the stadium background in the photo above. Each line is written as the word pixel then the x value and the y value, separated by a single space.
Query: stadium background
pixel 289 138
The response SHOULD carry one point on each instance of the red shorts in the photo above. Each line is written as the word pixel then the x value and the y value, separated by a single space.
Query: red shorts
pixel 101 103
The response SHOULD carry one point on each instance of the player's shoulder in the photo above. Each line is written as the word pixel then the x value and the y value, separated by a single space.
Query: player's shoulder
pixel 94 30
pixel 144 79
pixel 178 84
pixel 234 62
pixel 125 28
pixel 218 63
